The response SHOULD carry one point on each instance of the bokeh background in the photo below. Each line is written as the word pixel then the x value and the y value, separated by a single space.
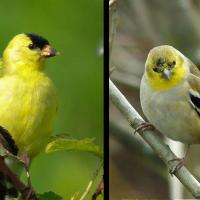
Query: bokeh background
pixel 135 171
pixel 75 29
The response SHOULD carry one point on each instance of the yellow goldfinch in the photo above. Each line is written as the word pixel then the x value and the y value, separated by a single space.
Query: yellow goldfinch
pixel 28 100
pixel 170 94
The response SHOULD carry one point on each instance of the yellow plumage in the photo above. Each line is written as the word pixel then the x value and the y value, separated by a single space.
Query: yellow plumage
pixel 28 100
pixel 155 80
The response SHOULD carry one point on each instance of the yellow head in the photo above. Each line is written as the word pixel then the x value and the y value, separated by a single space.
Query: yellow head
pixel 27 51
pixel 165 67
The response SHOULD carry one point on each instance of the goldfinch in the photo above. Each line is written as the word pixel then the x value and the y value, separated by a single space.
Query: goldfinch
pixel 170 94
pixel 28 101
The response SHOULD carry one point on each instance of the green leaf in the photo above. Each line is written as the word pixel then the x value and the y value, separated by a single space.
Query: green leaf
pixel 68 144
pixel 49 196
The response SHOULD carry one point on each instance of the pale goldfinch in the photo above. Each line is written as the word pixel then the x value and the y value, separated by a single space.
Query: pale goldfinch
pixel 28 101
pixel 170 94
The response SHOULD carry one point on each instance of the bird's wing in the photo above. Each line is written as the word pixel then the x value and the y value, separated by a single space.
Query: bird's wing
pixel 194 83
pixel 193 69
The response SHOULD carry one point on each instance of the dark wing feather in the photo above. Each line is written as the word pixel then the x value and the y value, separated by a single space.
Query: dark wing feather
pixel 194 82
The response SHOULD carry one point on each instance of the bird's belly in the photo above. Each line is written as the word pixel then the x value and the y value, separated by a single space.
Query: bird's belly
pixel 171 124
pixel 27 112
pixel 172 117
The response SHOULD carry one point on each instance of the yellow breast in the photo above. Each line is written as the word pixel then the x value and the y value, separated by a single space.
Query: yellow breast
pixel 158 83
pixel 27 109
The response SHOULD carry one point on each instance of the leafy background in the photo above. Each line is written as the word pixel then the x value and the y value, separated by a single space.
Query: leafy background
pixel 75 29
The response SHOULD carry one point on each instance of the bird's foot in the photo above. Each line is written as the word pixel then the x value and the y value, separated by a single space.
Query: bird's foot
pixel 181 162
pixel 144 126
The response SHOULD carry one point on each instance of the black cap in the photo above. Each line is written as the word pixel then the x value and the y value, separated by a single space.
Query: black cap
pixel 37 40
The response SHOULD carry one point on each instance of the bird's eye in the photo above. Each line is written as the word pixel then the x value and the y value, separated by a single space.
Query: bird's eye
pixel 174 62
pixel 160 62
pixel 31 46
pixel 155 69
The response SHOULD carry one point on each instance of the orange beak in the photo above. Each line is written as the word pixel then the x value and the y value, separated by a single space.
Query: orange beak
pixel 48 51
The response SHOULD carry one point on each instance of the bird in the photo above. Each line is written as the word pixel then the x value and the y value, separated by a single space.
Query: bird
pixel 28 100
pixel 170 94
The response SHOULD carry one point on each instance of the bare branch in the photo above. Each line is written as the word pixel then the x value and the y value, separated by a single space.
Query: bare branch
pixel 75 196
pixel 113 24
pixel 99 190
pixel 163 150
pixel 87 190
pixel 27 192
pixel 89 186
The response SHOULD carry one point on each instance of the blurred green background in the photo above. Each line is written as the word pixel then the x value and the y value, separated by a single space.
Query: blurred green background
pixel 75 29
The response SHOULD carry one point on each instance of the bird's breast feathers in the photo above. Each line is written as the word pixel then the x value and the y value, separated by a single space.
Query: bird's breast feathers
pixel 168 109
pixel 27 109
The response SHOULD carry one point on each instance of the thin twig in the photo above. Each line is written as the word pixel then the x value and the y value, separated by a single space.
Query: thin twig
pixel 99 190
pixel 97 171
pixel 27 193
pixel 75 196
pixel 10 150
pixel 113 24
pixel 89 186
pixel 86 192
pixel 13 178
pixel 23 159
pixel 163 150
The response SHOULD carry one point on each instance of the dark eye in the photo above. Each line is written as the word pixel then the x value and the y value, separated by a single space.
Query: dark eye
pixel 174 62
pixel 160 62
pixel 155 69
pixel 31 46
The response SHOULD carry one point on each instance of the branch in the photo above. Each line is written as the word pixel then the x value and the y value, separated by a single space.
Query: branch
pixel 87 190
pixel 113 26
pixel 125 137
pixel 89 186
pixel 75 196
pixel 99 190
pixel 27 192
pixel 9 149
pixel 163 150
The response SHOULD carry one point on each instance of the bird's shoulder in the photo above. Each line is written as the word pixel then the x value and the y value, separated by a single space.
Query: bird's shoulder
pixel 193 76
pixel 193 79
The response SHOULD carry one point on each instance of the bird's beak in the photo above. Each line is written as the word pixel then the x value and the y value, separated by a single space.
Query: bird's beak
pixel 48 51
pixel 167 74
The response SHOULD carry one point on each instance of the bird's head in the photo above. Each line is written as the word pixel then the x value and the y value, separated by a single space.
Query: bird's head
pixel 165 67
pixel 27 50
